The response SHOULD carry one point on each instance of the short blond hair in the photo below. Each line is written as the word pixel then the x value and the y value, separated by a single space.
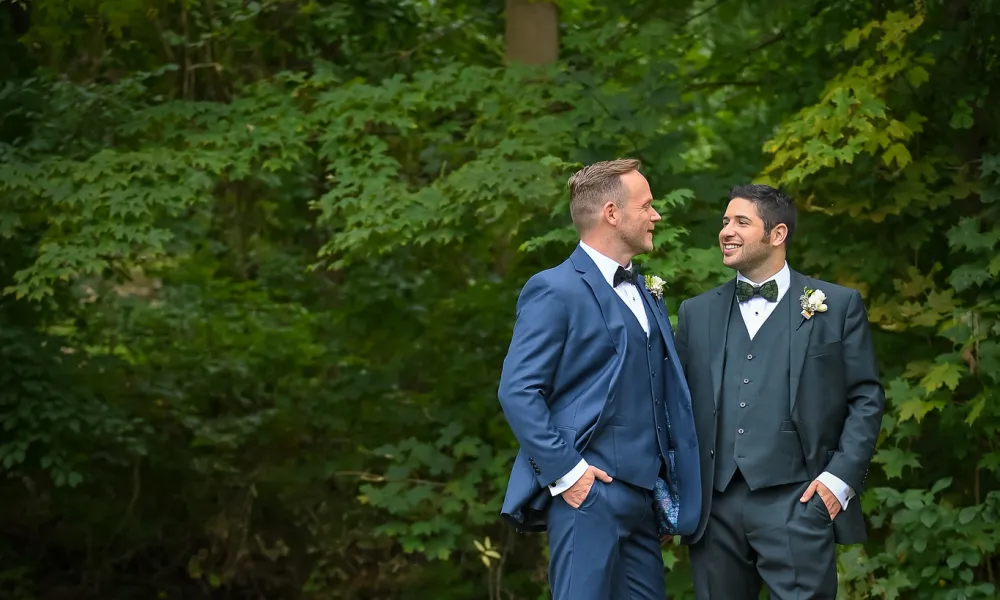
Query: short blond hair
pixel 594 185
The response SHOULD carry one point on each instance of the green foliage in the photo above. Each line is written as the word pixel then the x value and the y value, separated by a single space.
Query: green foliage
pixel 259 264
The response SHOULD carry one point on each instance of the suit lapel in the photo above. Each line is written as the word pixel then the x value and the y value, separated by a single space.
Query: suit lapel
pixel 605 297
pixel 653 308
pixel 800 329
pixel 668 342
pixel 718 331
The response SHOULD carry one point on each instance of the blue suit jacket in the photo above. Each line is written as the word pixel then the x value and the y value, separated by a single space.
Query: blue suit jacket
pixel 562 368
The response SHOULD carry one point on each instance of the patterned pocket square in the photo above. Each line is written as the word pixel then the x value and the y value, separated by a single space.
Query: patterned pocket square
pixel 666 500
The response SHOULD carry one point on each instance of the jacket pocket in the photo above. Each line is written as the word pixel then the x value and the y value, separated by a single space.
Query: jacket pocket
pixel 824 349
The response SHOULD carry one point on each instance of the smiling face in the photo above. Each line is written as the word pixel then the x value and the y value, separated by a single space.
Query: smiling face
pixel 638 218
pixel 745 244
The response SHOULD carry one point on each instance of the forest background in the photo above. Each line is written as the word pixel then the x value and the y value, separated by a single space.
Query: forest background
pixel 259 262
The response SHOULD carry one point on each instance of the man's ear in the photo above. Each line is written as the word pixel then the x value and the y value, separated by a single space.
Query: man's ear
pixel 779 233
pixel 611 213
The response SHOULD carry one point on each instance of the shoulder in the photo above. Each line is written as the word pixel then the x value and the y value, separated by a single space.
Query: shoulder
pixel 555 282
pixel 705 298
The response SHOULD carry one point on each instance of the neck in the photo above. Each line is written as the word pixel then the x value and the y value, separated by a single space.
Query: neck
pixel 764 271
pixel 609 247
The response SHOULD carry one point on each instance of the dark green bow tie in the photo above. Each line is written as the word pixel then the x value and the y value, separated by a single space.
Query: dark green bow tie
pixel 767 291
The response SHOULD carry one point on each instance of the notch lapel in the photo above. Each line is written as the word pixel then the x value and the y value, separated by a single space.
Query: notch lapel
pixel 605 297
pixel 800 328
pixel 654 308
pixel 666 332
pixel 718 331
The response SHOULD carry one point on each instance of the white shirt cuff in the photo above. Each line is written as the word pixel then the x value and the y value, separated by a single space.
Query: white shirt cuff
pixel 566 481
pixel 841 490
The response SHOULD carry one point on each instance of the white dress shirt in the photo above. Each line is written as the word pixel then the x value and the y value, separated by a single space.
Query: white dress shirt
pixel 755 312
pixel 629 293
pixel 626 291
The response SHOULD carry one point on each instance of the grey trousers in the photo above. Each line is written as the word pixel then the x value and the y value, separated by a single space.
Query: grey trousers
pixel 765 537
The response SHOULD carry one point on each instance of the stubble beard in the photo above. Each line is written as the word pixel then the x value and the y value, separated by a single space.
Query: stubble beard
pixel 634 241
pixel 758 259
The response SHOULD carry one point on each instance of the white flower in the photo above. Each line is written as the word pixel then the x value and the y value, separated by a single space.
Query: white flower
pixel 655 286
pixel 812 301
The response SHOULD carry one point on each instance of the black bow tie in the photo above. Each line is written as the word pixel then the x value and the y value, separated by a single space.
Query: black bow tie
pixel 623 274
pixel 767 291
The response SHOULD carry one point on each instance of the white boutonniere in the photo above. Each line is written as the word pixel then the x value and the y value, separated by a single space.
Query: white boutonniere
pixel 655 286
pixel 812 302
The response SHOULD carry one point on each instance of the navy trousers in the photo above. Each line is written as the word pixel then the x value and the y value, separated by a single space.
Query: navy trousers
pixel 608 548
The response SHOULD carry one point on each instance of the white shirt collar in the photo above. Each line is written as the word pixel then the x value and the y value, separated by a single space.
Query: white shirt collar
pixel 607 266
pixel 783 278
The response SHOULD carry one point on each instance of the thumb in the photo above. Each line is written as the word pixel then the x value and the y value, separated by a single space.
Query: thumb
pixel 809 492
pixel 601 475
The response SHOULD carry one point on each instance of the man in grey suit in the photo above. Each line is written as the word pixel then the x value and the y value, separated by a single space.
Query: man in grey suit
pixel 787 406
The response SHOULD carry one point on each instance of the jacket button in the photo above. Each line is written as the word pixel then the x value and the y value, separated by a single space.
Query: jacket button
pixel 711 453
pixel 740 432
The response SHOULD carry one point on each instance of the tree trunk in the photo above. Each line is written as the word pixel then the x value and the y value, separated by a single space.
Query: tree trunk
pixel 532 32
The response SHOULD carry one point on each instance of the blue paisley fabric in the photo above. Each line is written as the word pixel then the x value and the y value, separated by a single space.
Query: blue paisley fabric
pixel 666 500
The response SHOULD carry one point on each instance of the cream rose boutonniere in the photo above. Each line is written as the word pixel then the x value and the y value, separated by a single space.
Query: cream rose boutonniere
pixel 655 286
pixel 812 302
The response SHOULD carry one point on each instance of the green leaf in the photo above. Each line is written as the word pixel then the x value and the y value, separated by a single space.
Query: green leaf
pixel 973 557
pixel 928 518
pixel 890 588
pixel 967 514
pixel 990 460
pixel 975 409
pixel 852 39
pixel 940 485
pixel 969 275
pixel 669 559
pixel 990 165
pixel 898 130
pixel 894 460
pixel 899 153
pixel 917 409
pixel 943 374
pixel 994 267
pixel 917 76
pixel 961 118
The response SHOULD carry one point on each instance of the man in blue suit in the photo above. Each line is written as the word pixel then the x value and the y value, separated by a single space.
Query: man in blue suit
pixel 594 393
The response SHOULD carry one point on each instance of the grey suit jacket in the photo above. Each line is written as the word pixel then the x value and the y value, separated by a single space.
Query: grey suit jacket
pixel 837 398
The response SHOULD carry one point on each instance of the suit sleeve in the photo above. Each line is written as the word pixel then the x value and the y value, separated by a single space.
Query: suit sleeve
pixel 538 342
pixel 865 400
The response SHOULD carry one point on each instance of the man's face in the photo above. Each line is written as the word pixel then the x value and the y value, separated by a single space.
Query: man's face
pixel 638 215
pixel 742 240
